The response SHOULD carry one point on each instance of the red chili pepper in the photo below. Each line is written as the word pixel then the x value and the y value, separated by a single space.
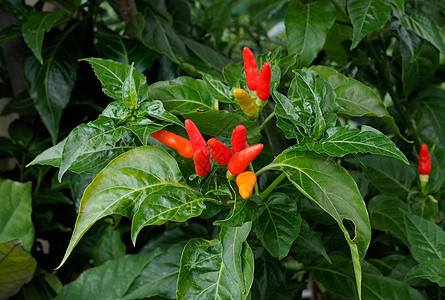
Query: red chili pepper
pixel 238 139
pixel 240 160
pixel 424 160
pixel 263 89
pixel 250 69
pixel 182 145
pixel 202 162
pixel 195 136
pixel 220 152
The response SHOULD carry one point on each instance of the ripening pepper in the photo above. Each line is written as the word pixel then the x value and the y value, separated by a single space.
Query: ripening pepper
pixel 202 162
pixel 250 69
pixel 246 102
pixel 246 182
pixel 240 160
pixel 263 88
pixel 195 136
pixel 182 145
pixel 424 166
pixel 238 139
pixel 220 152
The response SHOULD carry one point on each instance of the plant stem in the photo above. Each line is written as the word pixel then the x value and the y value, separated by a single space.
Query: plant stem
pixel 269 117
pixel 272 186
pixel 257 190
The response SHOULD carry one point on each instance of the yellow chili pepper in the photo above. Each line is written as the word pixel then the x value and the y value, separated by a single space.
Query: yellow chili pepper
pixel 246 182
pixel 246 102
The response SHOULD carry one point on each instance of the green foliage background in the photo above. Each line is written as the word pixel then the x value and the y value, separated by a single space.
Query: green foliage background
pixel 357 87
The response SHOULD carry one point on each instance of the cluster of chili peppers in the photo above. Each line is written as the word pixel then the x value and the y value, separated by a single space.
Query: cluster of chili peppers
pixel 257 82
pixel 237 159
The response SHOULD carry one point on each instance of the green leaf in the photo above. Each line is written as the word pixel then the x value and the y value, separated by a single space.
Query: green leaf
pixel 183 95
pixel 386 214
pixel 129 95
pixel 166 204
pixel 269 275
pixel 376 286
pixel 388 175
pixel 126 185
pixel 158 277
pixel 50 84
pixel 15 215
pixel 51 156
pixel 337 39
pixel 431 270
pixel 334 190
pixel 209 56
pixel 219 90
pixel 35 27
pixel 426 239
pixel 155 109
pixel 10 32
pixel 222 123
pixel 218 269
pixel 278 224
pixel 340 141
pixel 243 211
pixel 112 76
pixel 86 139
pixel 17 267
pixel 418 70
pixel 307 27
pixel 424 27
pixel 109 246
pixel 115 47
pixel 234 75
pixel 143 128
pixel 99 280
pixel 308 238
pixel 356 99
pixel 367 16
pixel 432 102
pixel 155 32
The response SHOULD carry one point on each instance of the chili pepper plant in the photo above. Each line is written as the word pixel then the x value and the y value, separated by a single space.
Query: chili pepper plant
pixel 224 150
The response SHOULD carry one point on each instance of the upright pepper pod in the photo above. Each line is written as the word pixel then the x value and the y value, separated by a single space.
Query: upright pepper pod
pixel 263 88
pixel 202 162
pixel 424 166
pixel 250 69
pixel 220 152
pixel 246 102
pixel 240 160
pixel 238 139
pixel 195 136
pixel 246 182
pixel 182 145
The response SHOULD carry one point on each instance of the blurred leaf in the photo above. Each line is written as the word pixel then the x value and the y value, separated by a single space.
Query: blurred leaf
pixel 380 287
pixel 386 213
pixel 269 275
pixel 17 267
pixel 424 27
pixel 218 269
pixel 356 99
pixel 308 238
pixel 78 183
pixel 234 75
pixel 103 280
pixel 367 16
pixel 307 27
pixel 337 41
pixel 158 277
pixel 432 102
pixel 431 270
pixel 35 27
pixel 47 196
pixel 278 224
pixel 50 84
pixel 183 95
pixel 390 176
pixel 144 183
pixel 15 215
pixel 418 70
pixel 113 46
pixel 426 239
pixel 108 247
pixel 112 76
pixel 207 55
pixel 10 32
pixel 332 188
pixel 69 6
pixel 22 105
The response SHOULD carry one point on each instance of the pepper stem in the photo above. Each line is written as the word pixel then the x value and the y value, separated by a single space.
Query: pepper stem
pixel 423 182
pixel 272 186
